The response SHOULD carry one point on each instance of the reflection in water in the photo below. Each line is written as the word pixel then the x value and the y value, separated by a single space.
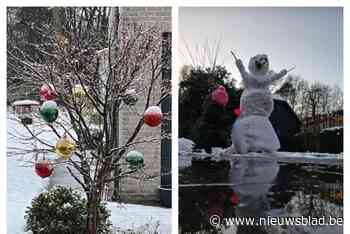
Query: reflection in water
pixel 255 178
pixel 258 188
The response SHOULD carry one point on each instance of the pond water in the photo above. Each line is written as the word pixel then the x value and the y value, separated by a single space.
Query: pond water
pixel 260 189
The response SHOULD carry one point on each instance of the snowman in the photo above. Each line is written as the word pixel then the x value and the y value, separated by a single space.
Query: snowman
pixel 252 131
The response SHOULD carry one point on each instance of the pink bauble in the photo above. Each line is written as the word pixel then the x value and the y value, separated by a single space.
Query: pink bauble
pixel 153 116
pixel 219 96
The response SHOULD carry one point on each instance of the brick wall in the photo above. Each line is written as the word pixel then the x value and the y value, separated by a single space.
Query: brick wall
pixel 133 190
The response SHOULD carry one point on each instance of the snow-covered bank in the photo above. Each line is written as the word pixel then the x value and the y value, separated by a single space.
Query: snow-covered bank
pixel 281 157
pixel 139 218
pixel 186 155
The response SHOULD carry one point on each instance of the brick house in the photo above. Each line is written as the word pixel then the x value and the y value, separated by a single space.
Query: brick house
pixel 133 190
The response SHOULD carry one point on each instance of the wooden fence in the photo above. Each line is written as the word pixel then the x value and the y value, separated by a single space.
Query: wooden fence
pixel 322 122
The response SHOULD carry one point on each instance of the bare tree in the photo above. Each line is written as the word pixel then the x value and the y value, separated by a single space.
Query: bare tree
pixel 80 52
pixel 336 99
pixel 326 100
pixel 309 101
pixel 314 97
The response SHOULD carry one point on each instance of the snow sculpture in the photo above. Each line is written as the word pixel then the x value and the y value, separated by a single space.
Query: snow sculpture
pixel 252 131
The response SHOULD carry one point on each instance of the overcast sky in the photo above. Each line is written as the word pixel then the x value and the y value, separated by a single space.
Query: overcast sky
pixel 310 38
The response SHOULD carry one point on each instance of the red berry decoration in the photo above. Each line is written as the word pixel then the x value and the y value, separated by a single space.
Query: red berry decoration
pixel 219 96
pixel 43 168
pixel 47 92
pixel 153 116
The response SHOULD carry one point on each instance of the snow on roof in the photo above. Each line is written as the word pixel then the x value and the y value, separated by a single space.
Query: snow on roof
pixel 278 97
pixel 25 103
pixel 332 128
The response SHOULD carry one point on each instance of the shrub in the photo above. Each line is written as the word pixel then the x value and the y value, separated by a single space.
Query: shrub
pixel 62 210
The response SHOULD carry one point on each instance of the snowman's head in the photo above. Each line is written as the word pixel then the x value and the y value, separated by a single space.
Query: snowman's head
pixel 259 64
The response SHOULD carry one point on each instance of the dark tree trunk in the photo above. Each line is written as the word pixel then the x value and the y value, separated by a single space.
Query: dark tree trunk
pixel 93 204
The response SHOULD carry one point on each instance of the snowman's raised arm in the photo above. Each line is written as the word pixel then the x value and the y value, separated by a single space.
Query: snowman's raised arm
pixel 277 76
pixel 240 66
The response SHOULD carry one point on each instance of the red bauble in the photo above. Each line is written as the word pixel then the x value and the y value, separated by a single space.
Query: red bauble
pixel 234 199
pixel 219 96
pixel 47 92
pixel 237 111
pixel 43 168
pixel 153 116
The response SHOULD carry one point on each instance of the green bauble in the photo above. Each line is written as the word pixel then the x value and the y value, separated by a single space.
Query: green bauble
pixel 135 159
pixel 49 111
pixel 130 98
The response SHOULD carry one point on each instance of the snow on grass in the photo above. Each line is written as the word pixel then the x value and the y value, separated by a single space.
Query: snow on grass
pixel 139 218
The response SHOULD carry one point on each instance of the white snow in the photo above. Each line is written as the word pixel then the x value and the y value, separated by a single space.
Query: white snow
pixel 126 217
pixel 49 104
pixel 186 155
pixel 332 128
pixel 278 97
pixel 153 110
pixel 185 147
pixel 25 102
pixel 254 133
pixel 285 157
pixel 23 184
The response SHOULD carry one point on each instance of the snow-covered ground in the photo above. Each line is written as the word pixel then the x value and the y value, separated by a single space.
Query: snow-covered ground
pixel 24 185
pixel 22 182
pixel 186 155
pixel 139 218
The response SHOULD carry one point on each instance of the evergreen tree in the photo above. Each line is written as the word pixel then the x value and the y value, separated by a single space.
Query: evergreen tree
pixel 202 120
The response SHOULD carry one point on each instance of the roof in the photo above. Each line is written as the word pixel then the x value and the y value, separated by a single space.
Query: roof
pixel 25 103
pixel 278 97
pixel 288 108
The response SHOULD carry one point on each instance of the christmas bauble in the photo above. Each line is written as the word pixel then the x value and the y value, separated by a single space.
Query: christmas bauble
pixel 49 111
pixel 237 111
pixel 130 98
pixel 153 116
pixel 47 92
pixel 43 168
pixel 135 159
pixel 65 147
pixel 220 96
pixel 234 199
pixel 78 91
